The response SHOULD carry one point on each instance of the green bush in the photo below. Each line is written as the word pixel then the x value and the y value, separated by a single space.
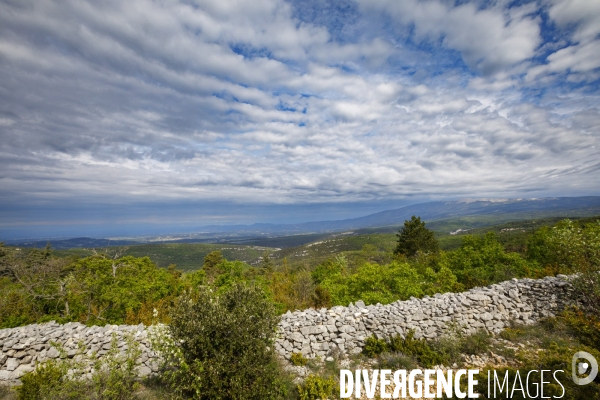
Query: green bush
pixel 566 248
pixel 587 285
pixel 424 352
pixel 554 357
pixel 395 361
pixel 298 359
pixel 46 378
pixel 481 261
pixel 584 326
pixel 374 347
pixel 476 343
pixel 224 345
pixel 316 387
pixel 113 376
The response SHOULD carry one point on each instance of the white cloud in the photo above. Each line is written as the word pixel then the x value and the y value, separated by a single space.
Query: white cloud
pixel 128 101
pixel 580 19
pixel 489 40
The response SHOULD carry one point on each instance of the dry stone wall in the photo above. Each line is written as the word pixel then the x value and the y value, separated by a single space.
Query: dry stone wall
pixel 344 329
pixel 312 332
pixel 23 347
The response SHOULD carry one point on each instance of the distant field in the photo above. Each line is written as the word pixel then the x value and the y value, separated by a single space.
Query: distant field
pixel 513 235
pixel 283 241
pixel 311 249
pixel 314 253
pixel 187 256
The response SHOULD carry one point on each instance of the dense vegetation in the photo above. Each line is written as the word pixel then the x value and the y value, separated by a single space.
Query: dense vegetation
pixel 225 345
pixel 187 256
pixel 223 316
pixel 102 288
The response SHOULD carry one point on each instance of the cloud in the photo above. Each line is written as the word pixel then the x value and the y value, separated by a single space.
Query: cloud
pixel 579 23
pixel 262 102
pixel 489 40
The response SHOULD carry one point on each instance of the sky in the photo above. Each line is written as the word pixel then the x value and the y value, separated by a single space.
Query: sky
pixel 144 117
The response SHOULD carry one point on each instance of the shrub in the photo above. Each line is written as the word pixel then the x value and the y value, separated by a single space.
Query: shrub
pixel 45 378
pixel 481 261
pixel 374 347
pixel 585 327
pixel 316 387
pixel 567 247
pixel 587 286
pixel 298 359
pixel 554 357
pixel 224 343
pixel 420 349
pixel 113 376
pixel 476 343
pixel 395 361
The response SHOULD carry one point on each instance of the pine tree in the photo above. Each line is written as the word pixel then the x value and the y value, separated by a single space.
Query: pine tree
pixel 414 237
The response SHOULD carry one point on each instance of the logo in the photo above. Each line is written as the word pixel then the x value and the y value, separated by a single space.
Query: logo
pixel 579 368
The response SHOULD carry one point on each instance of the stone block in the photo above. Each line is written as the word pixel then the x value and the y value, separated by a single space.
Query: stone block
pixel 12 364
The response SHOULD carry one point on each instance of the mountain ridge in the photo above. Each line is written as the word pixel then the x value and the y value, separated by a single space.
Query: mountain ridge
pixel 513 209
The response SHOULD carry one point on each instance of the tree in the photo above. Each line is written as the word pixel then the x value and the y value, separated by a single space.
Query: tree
pixel 211 261
pixel 266 263
pixel 226 344
pixel 566 248
pixel 33 283
pixel 481 261
pixel 100 293
pixel 414 237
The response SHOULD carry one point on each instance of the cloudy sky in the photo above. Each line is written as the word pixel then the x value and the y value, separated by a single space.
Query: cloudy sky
pixel 139 116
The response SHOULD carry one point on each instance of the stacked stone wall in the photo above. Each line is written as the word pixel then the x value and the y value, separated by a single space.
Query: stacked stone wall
pixel 344 329
pixel 311 332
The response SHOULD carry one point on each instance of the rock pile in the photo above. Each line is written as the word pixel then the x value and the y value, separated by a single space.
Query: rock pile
pixel 313 332
pixel 344 329
pixel 24 347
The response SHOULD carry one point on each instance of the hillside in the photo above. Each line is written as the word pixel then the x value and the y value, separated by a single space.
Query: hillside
pixel 187 256
pixel 310 250
pixel 441 216
pixel 498 210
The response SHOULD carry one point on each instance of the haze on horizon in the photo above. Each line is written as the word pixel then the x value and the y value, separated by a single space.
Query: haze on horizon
pixel 140 117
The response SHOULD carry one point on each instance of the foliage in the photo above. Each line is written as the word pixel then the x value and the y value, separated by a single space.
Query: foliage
pixel 374 347
pixel 407 351
pixel 113 376
pixel 93 290
pixel 477 343
pixel 567 247
pixel 266 263
pixel 226 343
pixel 556 355
pixel 182 376
pixel 587 286
pixel 414 237
pixel 481 261
pixel 34 285
pixel 46 378
pixel 422 350
pixel 298 359
pixel 583 326
pixel 322 297
pixel 211 261
pixel 384 284
pixel 395 361
pixel 104 290
pixel 316 387
pixel 100 289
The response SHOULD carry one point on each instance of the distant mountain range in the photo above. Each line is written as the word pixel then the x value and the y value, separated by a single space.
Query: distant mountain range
pixel 500 209
pixel 511 208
